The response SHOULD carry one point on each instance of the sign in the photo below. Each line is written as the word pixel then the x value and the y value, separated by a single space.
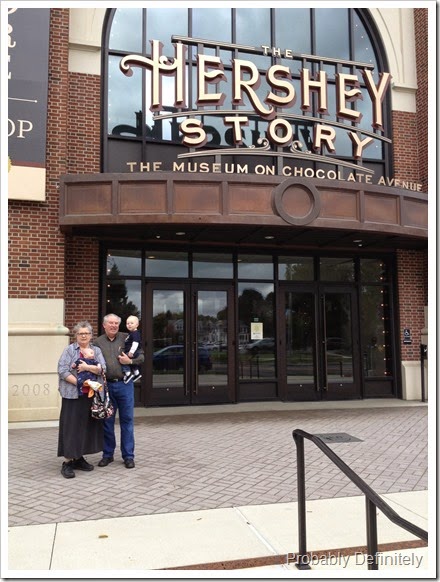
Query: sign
pixel 256 330
pixel 28 59
pixel 407 336
pixel 306 138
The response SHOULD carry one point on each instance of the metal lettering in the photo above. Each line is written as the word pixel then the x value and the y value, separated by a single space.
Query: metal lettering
pixel 359 144
pixel 320 86
pixel 272 78
pixel 193 127
pixel 324 136
pixel 377 94
pixel 236 123
pixel 159 65
pixel 240 85
pixel 203 77
pixel 343 96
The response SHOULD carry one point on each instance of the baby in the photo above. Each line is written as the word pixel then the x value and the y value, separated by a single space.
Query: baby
pixel 132 343
pixel 88 356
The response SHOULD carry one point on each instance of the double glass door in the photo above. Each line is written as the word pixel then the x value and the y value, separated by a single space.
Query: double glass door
pixel 320 359
pixel 190 344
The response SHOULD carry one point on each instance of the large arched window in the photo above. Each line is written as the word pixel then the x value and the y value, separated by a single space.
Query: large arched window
pixel 340 43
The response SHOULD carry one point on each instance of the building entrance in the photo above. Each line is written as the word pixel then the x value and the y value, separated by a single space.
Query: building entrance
pixel 189 344
pixel 319 356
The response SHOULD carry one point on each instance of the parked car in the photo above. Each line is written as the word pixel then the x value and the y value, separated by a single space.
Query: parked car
pixel 172 358
pixel 334 343
pixel 266 344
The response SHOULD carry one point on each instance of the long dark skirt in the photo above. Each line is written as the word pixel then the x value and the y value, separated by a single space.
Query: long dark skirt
pixel 79 434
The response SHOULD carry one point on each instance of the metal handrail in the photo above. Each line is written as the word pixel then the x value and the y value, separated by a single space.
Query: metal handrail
pixel 372 500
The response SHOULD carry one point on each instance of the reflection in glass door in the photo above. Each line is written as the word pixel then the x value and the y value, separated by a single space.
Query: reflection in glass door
pixel 168 346
pixel 300 341
pixel 321 359
pixel 189 345
pixel 211 348
pixel 337 340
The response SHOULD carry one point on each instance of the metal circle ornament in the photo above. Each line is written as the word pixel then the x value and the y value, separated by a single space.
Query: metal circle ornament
pixel 297 201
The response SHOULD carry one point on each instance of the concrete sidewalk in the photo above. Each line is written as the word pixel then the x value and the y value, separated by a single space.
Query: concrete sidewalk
pixel 221 538
pixel 217 486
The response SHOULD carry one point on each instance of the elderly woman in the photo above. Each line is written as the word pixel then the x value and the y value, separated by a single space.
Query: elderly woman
pixel 79 434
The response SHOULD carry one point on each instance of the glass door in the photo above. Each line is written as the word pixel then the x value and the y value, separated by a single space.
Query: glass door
pixel 340 349
pixel 299 357
pixel 166 359
pixel 319 356
pixel 189 345
pixel 212 345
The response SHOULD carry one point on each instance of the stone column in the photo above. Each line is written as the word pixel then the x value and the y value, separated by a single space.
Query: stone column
pixel 37 338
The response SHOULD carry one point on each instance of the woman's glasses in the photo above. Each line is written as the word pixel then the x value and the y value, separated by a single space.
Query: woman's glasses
pixel 84 333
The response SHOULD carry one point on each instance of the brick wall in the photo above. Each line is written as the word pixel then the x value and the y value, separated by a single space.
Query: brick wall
pixel 410 130
pixel 84 124
pixel 412 298
pixel 36 246
pixel 82 281
pixel 410 140
pixel 82 253
pixel 405 146
pixel 421 28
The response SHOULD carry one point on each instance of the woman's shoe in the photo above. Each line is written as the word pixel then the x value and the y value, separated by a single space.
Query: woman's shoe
pixel 67 470
pixel 82 464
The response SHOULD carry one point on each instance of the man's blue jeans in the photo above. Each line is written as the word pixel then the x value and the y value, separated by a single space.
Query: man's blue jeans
pixel 122 397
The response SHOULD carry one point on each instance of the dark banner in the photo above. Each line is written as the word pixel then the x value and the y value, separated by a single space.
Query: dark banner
pixel 28 56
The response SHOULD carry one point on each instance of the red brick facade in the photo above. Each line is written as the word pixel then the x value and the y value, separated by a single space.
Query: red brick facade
pixel 411 162
pixel 43 263
pixel 84 119
pixel 405 146
pixel 82 254
pixel 412 267
pixel 421 29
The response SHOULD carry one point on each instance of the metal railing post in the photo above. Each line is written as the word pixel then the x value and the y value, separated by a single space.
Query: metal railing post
pixel 423 354
pixel 371 535
pixel 302 558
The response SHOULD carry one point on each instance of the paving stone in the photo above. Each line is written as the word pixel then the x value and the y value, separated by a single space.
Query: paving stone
pixel 214 460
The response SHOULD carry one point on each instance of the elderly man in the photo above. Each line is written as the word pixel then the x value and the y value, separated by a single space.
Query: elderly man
pixel 111 343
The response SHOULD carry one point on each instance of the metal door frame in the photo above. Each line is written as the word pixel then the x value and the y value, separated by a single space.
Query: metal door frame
pixel 191 394
pixel 319 389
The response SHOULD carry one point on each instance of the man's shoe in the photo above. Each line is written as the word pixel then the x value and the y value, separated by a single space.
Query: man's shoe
pixel 138 377
pixel 105 461
pixel 129 463
pixel 82 464
pixel 67 470
pixel 128 378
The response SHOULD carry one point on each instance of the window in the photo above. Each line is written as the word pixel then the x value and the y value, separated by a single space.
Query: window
pixel 337 269
pixel 212 266
pixel 166 264
pixel 375 318
pixel 341 37
pixel 256 331
pixel 296 268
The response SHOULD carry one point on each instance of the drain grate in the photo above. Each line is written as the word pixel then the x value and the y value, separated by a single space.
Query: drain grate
pixel 338 437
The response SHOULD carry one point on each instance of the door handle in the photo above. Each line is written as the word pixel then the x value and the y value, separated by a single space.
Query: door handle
pixel 324 344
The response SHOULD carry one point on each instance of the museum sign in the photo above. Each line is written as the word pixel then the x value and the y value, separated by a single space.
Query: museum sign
pixel 281 139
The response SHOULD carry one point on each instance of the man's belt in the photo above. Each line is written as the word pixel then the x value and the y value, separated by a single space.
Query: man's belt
pixel 114 379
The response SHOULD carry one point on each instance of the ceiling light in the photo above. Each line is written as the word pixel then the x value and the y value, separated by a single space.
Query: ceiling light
pixel 180 233
pixel 269 237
